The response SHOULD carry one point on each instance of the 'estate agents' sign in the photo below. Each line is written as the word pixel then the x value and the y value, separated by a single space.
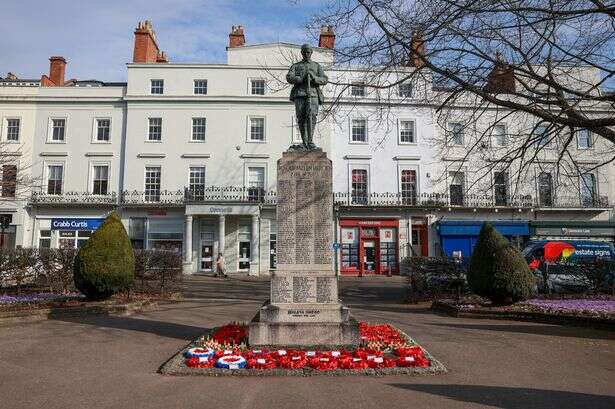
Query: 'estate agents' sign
pixel 75 224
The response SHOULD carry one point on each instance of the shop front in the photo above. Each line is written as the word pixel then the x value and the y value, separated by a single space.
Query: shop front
pixel 369 246
pixel 458 237
pixel 550 230
pixel 66 232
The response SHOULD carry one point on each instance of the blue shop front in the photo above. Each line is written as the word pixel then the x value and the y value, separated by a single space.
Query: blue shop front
pixel 460 236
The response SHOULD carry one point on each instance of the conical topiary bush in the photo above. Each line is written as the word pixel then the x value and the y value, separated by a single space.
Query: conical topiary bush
pixel 497 270
pixel 105 264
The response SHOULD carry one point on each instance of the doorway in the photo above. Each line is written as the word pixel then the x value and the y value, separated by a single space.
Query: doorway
pixel 369 257
pixel 207 256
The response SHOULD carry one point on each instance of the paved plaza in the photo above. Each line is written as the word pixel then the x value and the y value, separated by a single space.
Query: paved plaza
pixel 111 362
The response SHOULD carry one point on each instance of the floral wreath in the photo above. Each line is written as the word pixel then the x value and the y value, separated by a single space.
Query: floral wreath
pixel 231 362
pixel 199 352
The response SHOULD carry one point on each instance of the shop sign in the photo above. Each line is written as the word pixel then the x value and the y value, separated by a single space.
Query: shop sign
pixel 157 212
pixel 387 235
pixel 576 231
pixel 349 236
pixel 75 224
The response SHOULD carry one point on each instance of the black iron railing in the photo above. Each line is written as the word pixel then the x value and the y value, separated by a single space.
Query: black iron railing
pixel 84 198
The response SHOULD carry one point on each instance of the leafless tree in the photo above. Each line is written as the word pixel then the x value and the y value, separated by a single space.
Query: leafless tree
pixel 15 179
pixel 544 68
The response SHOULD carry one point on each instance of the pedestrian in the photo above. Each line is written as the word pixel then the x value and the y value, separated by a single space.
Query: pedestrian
pixel 220 268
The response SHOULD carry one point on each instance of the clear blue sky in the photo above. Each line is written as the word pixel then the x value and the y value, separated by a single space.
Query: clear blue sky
pixel 96 36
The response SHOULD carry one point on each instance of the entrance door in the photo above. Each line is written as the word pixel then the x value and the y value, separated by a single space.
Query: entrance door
pixel 369 256
pixel 207 256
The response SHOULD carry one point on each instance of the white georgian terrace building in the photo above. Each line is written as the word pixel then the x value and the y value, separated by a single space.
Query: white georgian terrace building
pixel 187 154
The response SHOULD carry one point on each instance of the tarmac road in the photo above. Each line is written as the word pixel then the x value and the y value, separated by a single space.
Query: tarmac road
pixel 111 362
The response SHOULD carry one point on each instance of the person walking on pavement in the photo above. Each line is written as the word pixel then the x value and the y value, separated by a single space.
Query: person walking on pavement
pixel 220 267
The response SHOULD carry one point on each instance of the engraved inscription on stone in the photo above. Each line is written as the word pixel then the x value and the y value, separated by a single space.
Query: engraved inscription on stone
pixel 304 289
pixel 323 290
pixel 281 290
pixel 303 313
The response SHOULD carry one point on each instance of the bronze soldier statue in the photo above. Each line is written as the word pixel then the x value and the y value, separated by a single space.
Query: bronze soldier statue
pixel 307 77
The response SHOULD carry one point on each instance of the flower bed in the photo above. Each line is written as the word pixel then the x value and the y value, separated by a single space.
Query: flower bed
pixel 37 298
pixel 224 350
pixel 596 312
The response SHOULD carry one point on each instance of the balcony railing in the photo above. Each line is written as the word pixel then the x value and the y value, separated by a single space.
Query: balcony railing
pixel 76 198
pixel 215 194
pixel 230 195
pixel 435 200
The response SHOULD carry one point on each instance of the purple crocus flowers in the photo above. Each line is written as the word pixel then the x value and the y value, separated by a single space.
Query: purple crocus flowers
pixel 37 297
pixel 578 305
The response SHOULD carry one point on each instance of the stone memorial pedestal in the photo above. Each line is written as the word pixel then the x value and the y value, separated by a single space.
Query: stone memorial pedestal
pixel 304 309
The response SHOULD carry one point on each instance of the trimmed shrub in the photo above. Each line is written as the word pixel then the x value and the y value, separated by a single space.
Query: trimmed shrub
pixel 105 264
pixel 497 270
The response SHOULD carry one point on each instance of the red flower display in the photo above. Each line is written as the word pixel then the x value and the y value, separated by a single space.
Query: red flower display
pixel 381 362
pixel 230 334
pixel 414 350
pixel 224 352
pixel 349 362
pixel 384 333
pixel 262 363
pixel 367 354
pixel 323 363
pixel 292 361
pixel 411 361
pixel 200 362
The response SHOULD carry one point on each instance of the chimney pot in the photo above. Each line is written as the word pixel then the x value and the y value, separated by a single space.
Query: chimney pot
pixel 236 38
pixel 146 48
pixel 417 52
pixel 327 37
pixel 57 69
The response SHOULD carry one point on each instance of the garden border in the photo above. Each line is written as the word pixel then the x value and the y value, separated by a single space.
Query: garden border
pixel 175 366
pixel 527 316
pixel 93 308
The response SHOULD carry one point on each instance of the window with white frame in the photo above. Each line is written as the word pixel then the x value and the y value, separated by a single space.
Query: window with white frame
pixel 500 188
pixel 358 130
pixel 198 129
pixel 405 90
pixel 257 129
pixel 545 189
pixel 588 189
pixel 197 182
pixel 155 130
pixel 157 87
pixel 100 179
pixel 499 135
pixel 455 133
pixel 152 183
pixel 359 186
pixel 103 130
pixel 584 139
pixel 200 87
pixel 55 175
pixel 256 183
pixel 456 188
pixel 58 129
pixel 12 129
pixel 408 186
pixel 257 86
pixel 357 89
pixel 406 131
pixel 541 136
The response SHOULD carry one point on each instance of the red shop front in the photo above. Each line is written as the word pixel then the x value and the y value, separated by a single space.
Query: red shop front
pixel 369 246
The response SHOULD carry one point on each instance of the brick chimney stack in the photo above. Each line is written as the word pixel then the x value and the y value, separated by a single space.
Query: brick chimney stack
pixel 327 37
pixel 57 69
pixel 236 38
pixel 501 79
pixel 417 47
pixel 146 47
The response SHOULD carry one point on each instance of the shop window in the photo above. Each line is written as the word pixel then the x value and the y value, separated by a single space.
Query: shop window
pixel 165 234
pixel 273 261
pixel 44 239
pixel 359 186
pixel 416 237
pixel 136 232
pixel 388 249
pixel 71 239
pixel 244 247
pixel 350 247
